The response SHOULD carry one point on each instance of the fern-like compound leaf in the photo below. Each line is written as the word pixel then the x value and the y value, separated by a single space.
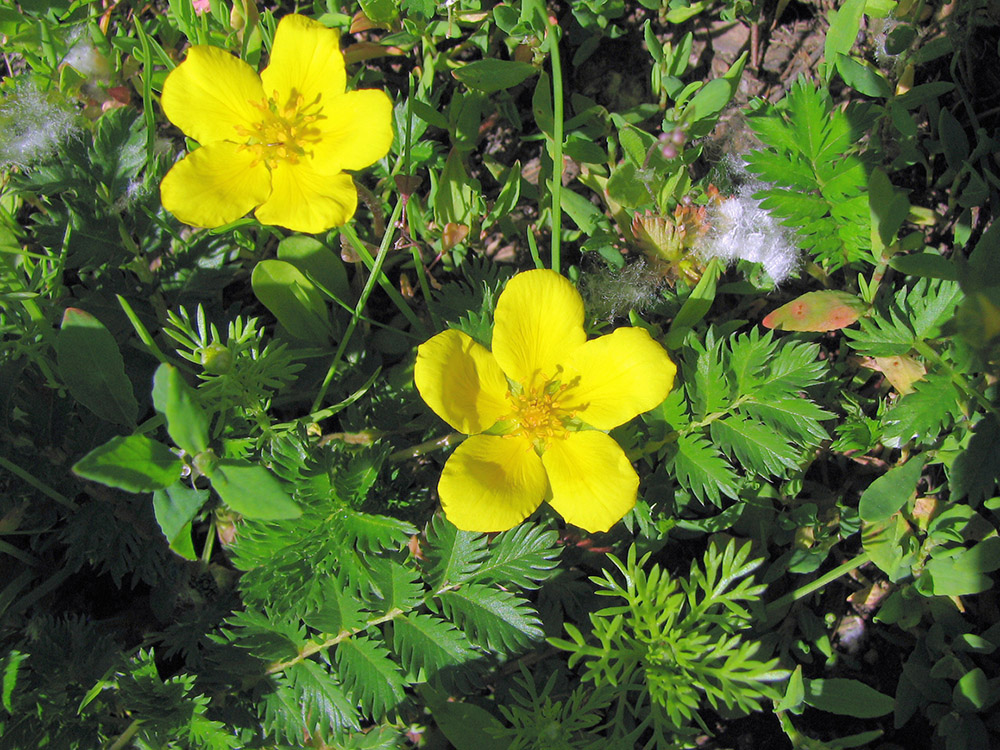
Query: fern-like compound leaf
pixel 492 618
pixel 370 675
pixel 524 557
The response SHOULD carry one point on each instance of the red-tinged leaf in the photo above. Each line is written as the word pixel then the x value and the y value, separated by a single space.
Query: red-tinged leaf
pixel 817 311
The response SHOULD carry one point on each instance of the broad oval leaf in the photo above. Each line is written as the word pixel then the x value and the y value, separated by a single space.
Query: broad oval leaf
pixel 134 464
pixel 293 299
pixel 966 572
pixel 91 365
pixel 252 491
pixel 930 265
pixel 827 310
pixel 174 508
pixel 847 698
pixel 889 492
pixel 494 75
pixel 187 422
pixel 312 257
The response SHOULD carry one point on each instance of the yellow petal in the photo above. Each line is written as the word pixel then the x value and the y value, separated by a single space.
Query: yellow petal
pixel 621 375
pixel 210 96
pixel 356 130
pixel 306 60
pixel 593 483
pixel 214 185
pixel 491 483
pixel 461 382
pixel 305 200
pixel 538 323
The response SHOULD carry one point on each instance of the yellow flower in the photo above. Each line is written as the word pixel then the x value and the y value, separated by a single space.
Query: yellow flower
pixel 530 404
pixel 278 142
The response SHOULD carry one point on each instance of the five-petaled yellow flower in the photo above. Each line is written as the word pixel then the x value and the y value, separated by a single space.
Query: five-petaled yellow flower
pixel 278 142
pixel 536 408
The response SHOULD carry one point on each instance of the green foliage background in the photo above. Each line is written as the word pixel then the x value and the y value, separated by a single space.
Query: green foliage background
pixel 218 521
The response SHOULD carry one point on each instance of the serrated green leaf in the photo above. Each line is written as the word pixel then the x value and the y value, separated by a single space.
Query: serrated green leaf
pixel 522 557
pixel 11 667
pixel 495 619
pixel 338 610
pixel 453 555
pixel 323 706
pixel 798 417
pixel 370 676
pixel 701 469
pixel 370 532
pixel 755 446
pixel 424 642
pixel 398 586
pixel 267 636
pixel 134 464
pixel 922 414
pixel 92 367
pixel 707 393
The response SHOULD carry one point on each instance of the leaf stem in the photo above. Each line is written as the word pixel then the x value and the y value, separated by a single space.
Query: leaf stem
pixel 37 483
pixel 552 34
pixel 315 648
pixel 803 591
pixel 127 735
pixel 375 276
pixel 426 447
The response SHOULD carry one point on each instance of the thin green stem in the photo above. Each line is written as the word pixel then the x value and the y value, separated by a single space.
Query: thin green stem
pixel 37 483
pixel 557 143
pixel 393 293
pixel 126 736
pixel 533 248
pixel 375 276
pixel 315 648
pixel 206 551
pixel 426 447
pixel 803 591
pixel 147 92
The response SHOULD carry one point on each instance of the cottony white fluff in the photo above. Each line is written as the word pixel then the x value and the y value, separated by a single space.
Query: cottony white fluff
pixel 741 230
pixel 32 125
pixel 610 293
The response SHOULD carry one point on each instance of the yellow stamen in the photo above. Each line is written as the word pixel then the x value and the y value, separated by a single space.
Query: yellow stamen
pixel 285 132
pixel 538 414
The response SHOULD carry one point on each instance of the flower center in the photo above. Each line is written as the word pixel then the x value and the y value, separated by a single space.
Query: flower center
pixel 284 132
pixel 538 414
